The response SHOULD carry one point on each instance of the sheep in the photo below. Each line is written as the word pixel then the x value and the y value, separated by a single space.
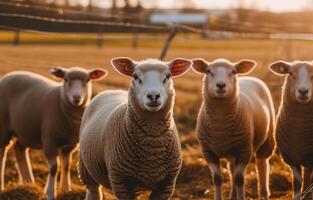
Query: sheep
pixel 294 120
pixel 128 140
pixel 236 121
pixel 36 112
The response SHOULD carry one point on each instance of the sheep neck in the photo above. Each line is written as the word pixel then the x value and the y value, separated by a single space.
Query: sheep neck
pixel 220 112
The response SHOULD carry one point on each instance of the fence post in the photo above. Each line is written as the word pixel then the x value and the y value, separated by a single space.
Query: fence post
pixel 16 40
pixel 135 40
pixel 100 38
pixel 167 43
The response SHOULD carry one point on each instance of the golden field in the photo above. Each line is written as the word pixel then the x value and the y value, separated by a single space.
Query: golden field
pixel 194 181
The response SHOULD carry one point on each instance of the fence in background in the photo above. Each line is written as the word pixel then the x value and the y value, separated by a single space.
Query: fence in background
pixel 59 21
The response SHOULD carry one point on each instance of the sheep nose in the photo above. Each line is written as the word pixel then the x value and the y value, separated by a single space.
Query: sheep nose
pixel 303 91
pixel 220 85
pixel 153 96
pixel 76 97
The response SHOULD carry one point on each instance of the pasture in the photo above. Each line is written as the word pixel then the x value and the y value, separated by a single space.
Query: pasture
pixel 194 181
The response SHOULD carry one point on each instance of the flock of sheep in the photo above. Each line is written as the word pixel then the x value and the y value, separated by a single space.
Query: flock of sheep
pixel 128 141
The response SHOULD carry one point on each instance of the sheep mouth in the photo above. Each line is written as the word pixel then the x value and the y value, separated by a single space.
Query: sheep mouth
pixel 77 103
pixel 220 93
pixel 303 99
pixel 153 106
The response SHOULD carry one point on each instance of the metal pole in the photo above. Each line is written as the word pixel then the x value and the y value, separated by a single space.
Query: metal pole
pixel 100 38
pixel 135 40
pixel 171 36
pixel 16 38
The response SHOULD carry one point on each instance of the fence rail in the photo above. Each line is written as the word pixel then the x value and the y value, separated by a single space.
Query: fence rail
pixel 72 22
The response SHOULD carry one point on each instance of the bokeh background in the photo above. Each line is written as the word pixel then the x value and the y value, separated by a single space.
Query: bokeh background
pixel 36 35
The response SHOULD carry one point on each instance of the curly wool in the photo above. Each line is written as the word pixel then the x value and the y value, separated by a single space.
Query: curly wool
pixel 120 141
pixel 294 130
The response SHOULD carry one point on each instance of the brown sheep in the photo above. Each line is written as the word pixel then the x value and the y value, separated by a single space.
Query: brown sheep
pixel 236 121
pixel 294 130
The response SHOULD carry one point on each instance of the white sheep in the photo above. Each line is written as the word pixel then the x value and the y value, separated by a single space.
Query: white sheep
pixel 128 140
pixel 43 114
pixel 295 120
pixel 236 121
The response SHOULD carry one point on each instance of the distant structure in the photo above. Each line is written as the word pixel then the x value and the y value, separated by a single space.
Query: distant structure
pixel 194 19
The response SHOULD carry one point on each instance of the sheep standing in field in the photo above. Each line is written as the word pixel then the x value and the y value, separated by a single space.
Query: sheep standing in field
pixel 128 140
pixel 42 114
pixel 236 121
pixel 294 131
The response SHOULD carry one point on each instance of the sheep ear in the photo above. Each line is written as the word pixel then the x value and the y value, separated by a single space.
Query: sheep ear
pixel 97 74
pixel 280 68
pixel 179 66
pixel 245 66
pixel 200 65
pixel 124 65
pixel 58 72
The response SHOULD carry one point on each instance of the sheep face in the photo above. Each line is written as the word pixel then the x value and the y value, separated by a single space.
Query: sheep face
pixel 77 83
pixel 151 79
pixel 299 79
pixel 221 75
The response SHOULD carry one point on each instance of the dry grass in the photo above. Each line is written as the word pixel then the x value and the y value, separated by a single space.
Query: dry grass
pixel 194 181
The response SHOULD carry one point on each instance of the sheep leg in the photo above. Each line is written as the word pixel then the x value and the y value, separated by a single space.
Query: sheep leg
pixel 306 178
pixel 94 193
pixel 65 161
pixel 5 137
pixel 165 190
pixel 231 168
pixel 50 189
pixel 263 177
pixel 311 182
pixel 297 181
pixel 3 155
pixel 239 172
pixel 23 163
pixel 93 188
pixel 214 165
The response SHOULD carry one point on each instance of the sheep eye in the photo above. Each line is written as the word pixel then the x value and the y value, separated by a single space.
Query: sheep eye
pixel 167 78
pixel 292 75
pixel 135 76
pixel 209 72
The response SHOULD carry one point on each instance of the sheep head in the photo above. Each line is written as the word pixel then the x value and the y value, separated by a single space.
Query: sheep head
pixel 151 79
pixel 77 83
pixel 221 75
pixel 299 79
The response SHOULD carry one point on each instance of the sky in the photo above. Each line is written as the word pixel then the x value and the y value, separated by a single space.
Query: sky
pixel 271 5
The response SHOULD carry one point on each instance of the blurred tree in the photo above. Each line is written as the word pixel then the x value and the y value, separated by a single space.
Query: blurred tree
pixel 67 3
pixel 241 4
pixel 139 4
pixel 187 3
pixel 114 4
pixel 90 4
pixel 127 3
